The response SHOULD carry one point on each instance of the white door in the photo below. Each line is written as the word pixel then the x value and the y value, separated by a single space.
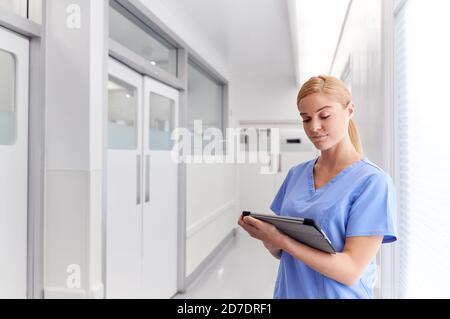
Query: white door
pixel 124 183
pixel 161 191
pixel 14 52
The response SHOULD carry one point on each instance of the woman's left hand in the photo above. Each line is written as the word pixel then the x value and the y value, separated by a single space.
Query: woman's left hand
pixel 265 232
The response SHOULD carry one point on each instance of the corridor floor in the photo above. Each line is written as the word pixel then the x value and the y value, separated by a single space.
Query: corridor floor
pixel 244 270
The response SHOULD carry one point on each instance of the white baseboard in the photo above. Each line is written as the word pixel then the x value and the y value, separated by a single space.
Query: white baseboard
pixel 64 293
pixel 96 292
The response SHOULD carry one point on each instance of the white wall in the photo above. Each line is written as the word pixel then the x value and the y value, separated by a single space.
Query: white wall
pixel 261 61
pixel 211 209
pixel 361 43
pixel 75 105
pixel 264 98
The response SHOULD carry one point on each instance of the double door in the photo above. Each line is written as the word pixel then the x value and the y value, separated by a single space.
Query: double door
pixel 14 76
pixel 142 184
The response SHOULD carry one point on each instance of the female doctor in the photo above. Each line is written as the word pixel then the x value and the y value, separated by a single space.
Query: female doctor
pixel 351 199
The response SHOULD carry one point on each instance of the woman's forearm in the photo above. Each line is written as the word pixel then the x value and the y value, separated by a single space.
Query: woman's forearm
pixel 346 267
pixel 338 267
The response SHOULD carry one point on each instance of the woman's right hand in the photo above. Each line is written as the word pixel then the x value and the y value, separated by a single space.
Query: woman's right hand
pixel 275 251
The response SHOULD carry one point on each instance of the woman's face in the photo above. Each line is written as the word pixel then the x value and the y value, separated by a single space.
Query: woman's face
pixel 325 120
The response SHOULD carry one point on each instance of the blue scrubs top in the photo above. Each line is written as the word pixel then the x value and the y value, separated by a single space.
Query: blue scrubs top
pixel 359 201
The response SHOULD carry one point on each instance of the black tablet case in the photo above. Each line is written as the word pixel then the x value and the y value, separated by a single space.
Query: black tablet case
pixel 305 231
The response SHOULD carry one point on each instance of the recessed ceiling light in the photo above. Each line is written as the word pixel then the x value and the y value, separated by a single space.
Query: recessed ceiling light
pixel 153 63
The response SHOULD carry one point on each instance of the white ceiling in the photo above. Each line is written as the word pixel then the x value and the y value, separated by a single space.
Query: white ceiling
pixel 285 38
pixel 253 36
pixel 206 17
pixel 316 26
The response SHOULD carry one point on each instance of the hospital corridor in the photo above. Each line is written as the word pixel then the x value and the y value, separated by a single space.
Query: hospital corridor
pixel 224 149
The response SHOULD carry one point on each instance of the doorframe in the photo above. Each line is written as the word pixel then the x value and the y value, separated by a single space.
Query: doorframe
pixel 36 145
pixel 36 169
pixel 19 24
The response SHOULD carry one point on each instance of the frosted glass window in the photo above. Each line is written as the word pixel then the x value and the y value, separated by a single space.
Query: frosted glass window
pixel 139 38
pixel 161 122
pixel 17 6
pixel 7 98
pixel 205 103
pixel 122 115
pixel 31 9
pixel 35 10
pixel 204 98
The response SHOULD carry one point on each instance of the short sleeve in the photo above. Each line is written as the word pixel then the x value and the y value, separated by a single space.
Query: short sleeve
pixel 374 209
pixel 279 198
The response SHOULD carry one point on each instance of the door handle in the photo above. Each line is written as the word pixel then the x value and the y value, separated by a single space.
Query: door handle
pixel 147 179
pixel 138 180
pixel 279 163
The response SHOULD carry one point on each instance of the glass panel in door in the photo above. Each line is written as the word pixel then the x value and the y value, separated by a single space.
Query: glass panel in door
pixel 122 115
pixel 161 122
pixel 7 98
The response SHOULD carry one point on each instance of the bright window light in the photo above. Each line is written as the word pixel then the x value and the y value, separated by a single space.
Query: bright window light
pixel 422 67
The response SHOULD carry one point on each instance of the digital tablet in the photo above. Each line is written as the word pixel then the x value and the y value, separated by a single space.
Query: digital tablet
pixel 303 230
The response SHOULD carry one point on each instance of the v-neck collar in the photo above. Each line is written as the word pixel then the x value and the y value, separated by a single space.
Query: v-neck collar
pixel 312 187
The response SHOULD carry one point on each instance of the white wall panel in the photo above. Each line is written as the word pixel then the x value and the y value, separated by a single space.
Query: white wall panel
pixel 361 45
pixel 75 76
pixel 210 191
pixel 205 240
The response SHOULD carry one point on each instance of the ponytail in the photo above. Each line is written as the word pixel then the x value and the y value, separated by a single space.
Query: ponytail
pixel 355 138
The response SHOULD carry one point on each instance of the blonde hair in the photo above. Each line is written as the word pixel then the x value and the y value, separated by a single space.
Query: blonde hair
pixel 335 88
